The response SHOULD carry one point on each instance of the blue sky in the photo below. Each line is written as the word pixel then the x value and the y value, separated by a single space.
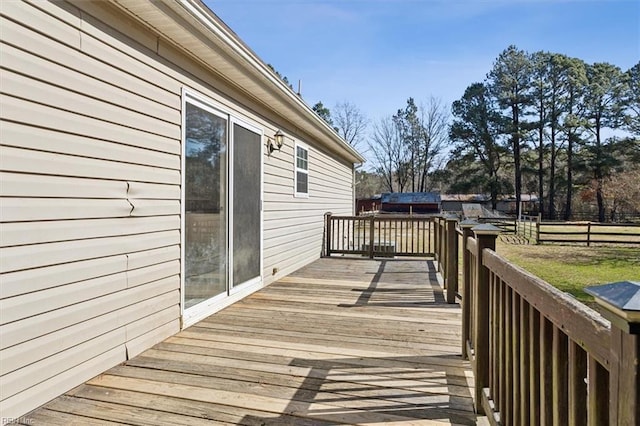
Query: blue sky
pixel 378 53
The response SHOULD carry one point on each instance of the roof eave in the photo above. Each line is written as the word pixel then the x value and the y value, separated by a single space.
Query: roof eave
pixel 258 80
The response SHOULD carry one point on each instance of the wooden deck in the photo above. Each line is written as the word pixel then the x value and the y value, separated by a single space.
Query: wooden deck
pixel 342 341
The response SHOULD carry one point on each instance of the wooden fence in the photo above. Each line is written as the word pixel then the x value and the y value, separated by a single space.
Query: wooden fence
pixel 379 235
pixel 539 356
pixel 588 233
pixel 534 229
pixel 507 224
pixel 529 227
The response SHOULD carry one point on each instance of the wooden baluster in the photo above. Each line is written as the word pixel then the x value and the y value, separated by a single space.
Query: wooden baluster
pixel 560 370
pixel 515 356
pixel 502 349
pixel 372 225
pixel 524 361
pixel 577 385
pixel 534 367
pixel 506 412
pixel 493 336
pixel 546 372
pixel 502 379
pixel 598 394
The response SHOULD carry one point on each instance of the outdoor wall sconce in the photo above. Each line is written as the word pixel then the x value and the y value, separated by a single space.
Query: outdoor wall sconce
pixel 275 143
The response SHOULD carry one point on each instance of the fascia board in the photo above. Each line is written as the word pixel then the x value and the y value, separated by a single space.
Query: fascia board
pixel 205 37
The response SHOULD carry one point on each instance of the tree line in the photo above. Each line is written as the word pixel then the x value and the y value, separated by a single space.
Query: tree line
pixel 541 122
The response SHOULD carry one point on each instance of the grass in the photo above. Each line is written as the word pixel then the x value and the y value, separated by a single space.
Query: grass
pixel 571 268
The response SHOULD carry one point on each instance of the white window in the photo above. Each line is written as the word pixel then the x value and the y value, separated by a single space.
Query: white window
pixel 302 171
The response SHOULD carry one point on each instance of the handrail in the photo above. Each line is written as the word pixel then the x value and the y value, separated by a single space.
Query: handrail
pixel 539 356
pixel 542 345
pixel 579 322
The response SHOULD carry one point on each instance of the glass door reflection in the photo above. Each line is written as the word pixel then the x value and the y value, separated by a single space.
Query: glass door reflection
pixel 205 186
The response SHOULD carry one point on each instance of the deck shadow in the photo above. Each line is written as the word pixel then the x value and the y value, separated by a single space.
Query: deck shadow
pixel 340 392
pixel 428 294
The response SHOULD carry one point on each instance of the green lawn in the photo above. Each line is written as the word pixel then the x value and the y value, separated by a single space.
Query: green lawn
pixel 571 268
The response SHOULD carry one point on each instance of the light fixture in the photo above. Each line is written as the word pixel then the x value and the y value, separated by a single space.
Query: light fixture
pixel 275 143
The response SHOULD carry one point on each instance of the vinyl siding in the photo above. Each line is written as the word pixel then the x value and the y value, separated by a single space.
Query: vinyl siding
pixel 293 227
pixel 90 222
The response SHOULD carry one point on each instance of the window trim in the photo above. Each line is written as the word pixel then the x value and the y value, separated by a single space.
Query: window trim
pixel 296 169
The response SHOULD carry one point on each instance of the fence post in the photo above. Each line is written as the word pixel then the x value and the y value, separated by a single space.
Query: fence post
pixel 538 228
pixel 621 305
pixel 588 234
pixel 485 238
pixel 452 259
pixel 466 226
pixel 327 234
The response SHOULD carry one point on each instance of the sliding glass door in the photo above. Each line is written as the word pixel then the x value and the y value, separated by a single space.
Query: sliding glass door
pixel 222 190
pixel 205 198
pixel 247 191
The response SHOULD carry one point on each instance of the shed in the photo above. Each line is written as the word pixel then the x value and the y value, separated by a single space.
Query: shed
pixel 411 202
pixel 530 204
pixel 368 205
pixel 454 202
pixel 143 183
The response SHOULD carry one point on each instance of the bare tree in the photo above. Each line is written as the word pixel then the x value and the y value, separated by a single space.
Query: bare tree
pixel 622 192
pixel 350 123
pixel 434 121
pixel 389 155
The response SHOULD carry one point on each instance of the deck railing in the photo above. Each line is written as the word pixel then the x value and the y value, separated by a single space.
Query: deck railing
pixel 539 356
pixel 379 235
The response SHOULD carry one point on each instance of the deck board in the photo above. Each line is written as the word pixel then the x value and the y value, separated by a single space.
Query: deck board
pixel 341 341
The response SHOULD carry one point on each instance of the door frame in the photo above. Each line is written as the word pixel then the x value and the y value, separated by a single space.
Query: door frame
pixel 232 294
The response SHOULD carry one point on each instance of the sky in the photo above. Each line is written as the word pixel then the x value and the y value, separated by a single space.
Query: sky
pixel 378 53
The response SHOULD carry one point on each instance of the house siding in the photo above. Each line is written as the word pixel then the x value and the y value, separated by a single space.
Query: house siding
pixel 90 226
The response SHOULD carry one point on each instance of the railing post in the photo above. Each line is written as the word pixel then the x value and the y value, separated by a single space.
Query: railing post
pixel 485 238
pixel 443 249
pixel 621 305
pixel 452 259
pixel 437 242
pixel 466 226
pixel 327 233
pixel 371 235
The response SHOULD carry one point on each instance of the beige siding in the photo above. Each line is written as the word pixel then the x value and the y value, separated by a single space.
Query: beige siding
pixel 90 209
pixel 90 158
pixel 293 227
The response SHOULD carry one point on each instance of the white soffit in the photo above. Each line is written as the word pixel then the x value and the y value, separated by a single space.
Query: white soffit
pixel 192 27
